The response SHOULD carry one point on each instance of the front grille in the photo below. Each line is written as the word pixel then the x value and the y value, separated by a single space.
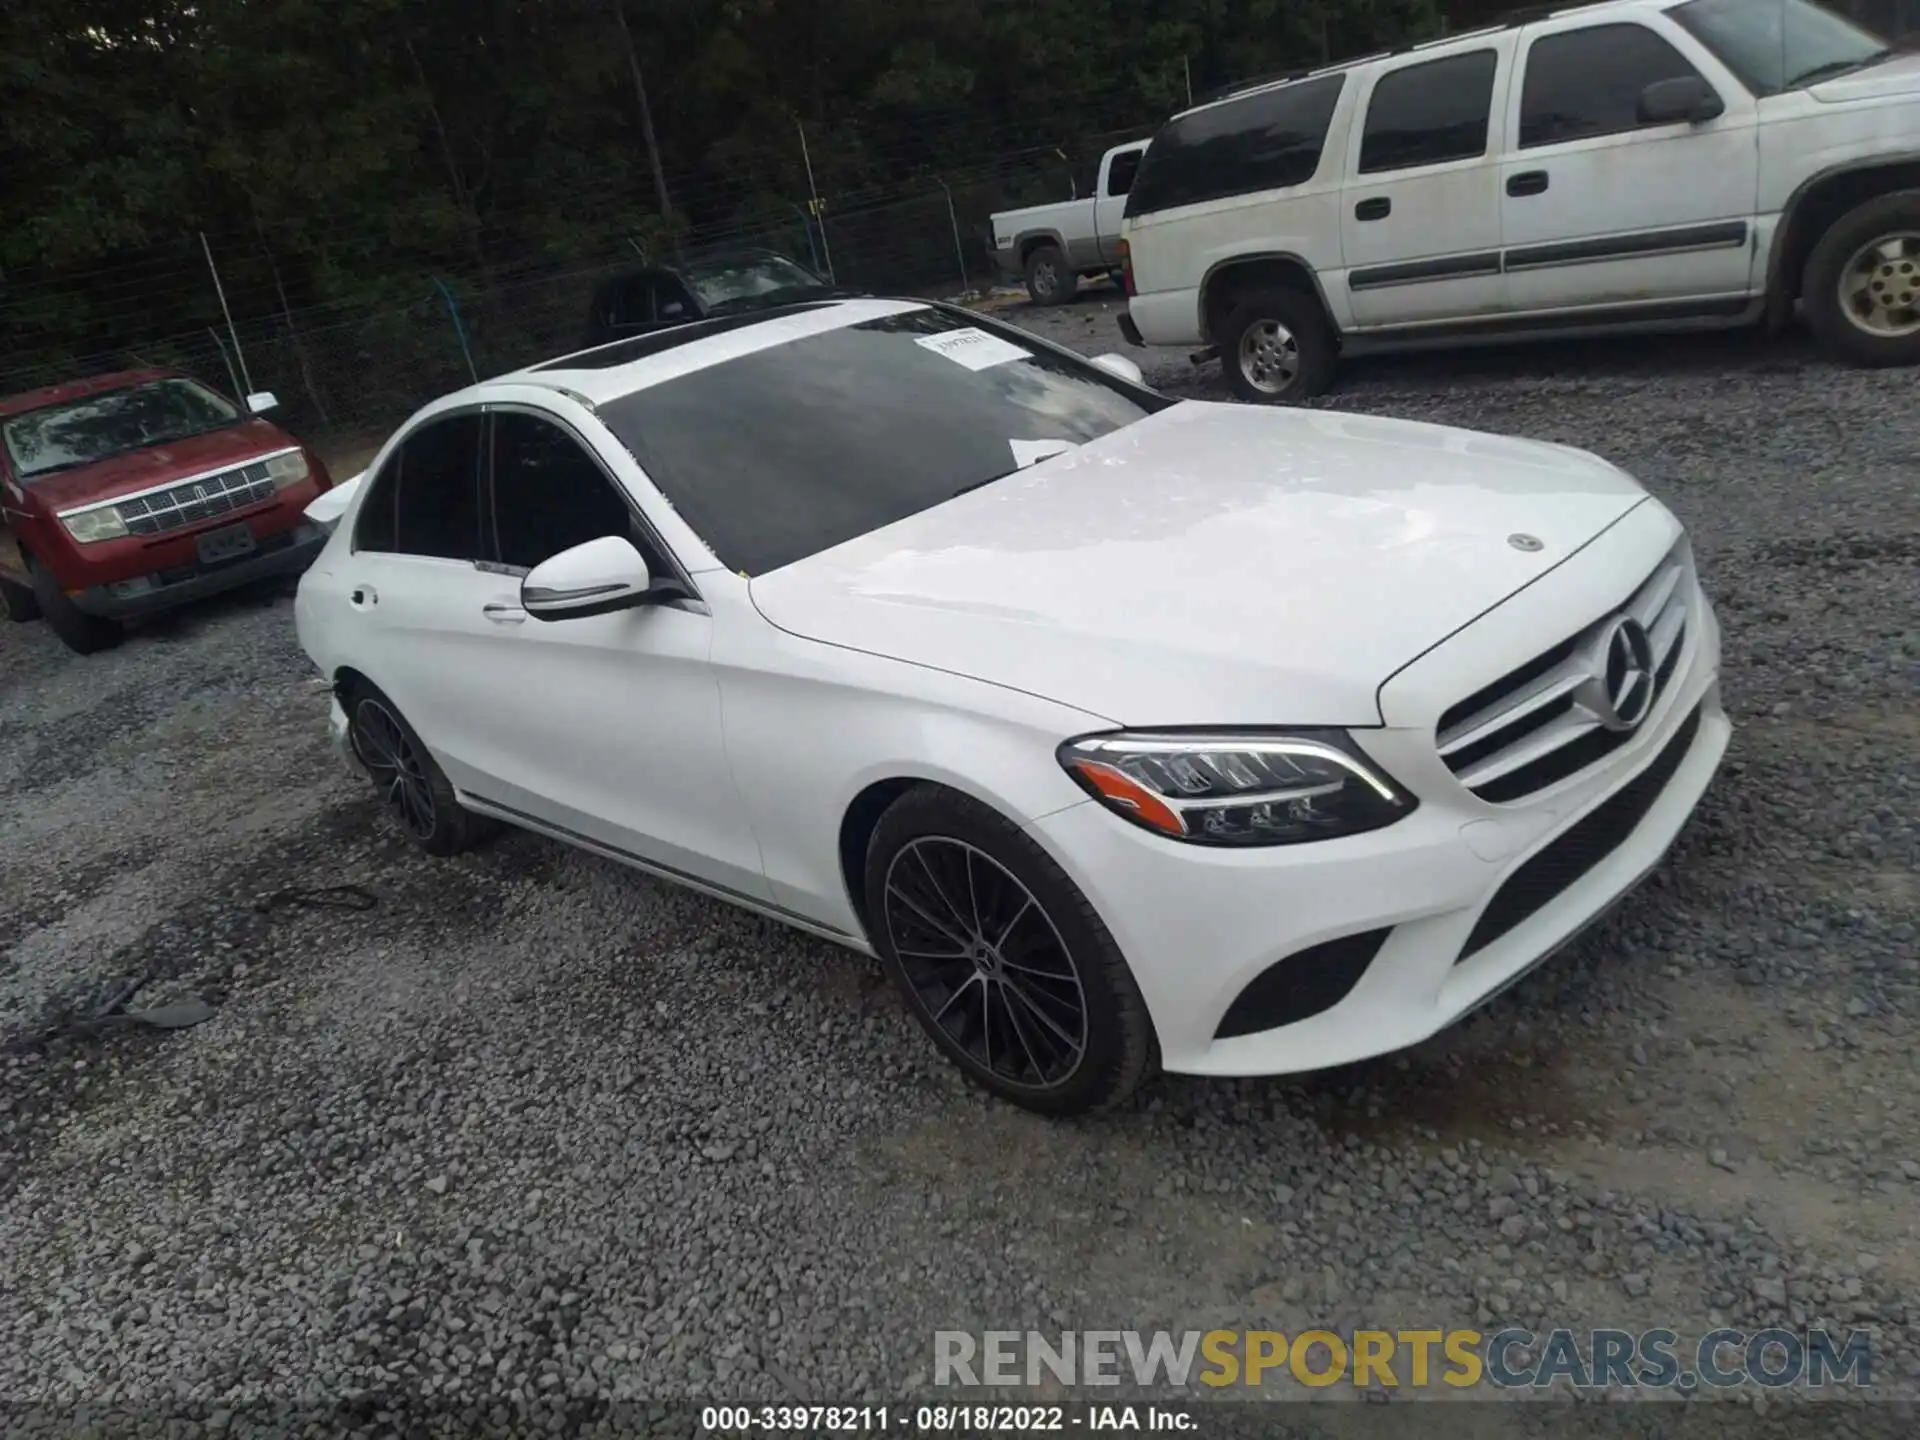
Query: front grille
pixel 192 501
pixel 1528 729
pixel 1541 880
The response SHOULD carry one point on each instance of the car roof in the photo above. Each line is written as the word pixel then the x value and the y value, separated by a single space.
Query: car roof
pixel 1510 21
pixel 79 389
pixel 607 372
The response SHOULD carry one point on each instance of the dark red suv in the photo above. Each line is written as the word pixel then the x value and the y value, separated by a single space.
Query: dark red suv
pixel 131 493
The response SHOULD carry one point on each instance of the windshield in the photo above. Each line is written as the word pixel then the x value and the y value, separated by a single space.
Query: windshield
pixel 1775 45
pixel 791 450
pixel 79 432
pixel 721 283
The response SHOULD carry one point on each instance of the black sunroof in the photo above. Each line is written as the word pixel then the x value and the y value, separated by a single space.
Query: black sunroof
pixel 623 352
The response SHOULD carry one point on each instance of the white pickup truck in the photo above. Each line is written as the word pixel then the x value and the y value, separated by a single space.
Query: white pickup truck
pixel 1052 246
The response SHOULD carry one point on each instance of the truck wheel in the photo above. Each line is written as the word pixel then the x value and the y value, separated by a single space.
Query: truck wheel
pixel 1276 347
pixel 17 602
pixel 1050 280
pixel 1862 284
pixel 82 633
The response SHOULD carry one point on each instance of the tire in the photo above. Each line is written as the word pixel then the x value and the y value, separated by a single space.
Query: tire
pixel 1284 328
pixel 413 784
pixel 80 632
pixel 1862 283
pixel 1070 983
pixel 18 603
pixel 1050 280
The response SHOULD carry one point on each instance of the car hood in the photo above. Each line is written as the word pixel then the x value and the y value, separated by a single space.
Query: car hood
pixel 1211 565
pixel 1896 75
pixel 142 469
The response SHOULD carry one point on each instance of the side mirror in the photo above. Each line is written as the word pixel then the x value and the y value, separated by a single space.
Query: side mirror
pixel 1123 367
pixel 262 402
pixel 1684 98
pixel 596 578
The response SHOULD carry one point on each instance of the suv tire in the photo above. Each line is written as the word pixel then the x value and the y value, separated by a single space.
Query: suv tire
pixel 80 632
pixel 1050 279
pixel 18 603
pixel 1862 283
pixel 1277 347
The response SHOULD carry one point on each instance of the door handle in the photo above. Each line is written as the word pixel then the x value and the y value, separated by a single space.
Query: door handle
pixel 1377 207
pixel 502 613
pixel 1527 182
pixel 363 596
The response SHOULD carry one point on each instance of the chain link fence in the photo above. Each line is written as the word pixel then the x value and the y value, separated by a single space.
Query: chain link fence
pixel 355 370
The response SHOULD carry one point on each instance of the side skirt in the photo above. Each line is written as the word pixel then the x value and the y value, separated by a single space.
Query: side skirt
pixel 520 819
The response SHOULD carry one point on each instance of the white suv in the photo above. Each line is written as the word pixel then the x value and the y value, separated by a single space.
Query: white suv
pixel 1636 164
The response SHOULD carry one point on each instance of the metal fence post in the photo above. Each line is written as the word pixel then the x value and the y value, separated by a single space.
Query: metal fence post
pixel 819 210
pixel 221 291
pixel 460 330
pixel 959 250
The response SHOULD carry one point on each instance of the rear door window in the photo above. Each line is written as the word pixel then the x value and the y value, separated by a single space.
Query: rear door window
pixel 1429 113
pixel 426 498
pixel 1269 140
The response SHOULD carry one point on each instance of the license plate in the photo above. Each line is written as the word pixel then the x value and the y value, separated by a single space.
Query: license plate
pixel 227 544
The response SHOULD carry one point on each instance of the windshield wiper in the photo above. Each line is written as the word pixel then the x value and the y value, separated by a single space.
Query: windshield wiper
pixel 1835 67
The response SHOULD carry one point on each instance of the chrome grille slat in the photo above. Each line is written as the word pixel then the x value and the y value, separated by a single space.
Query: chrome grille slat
pixel 1531 729
pixel 1652 599
pixel 191 501
pixel 1536 746
pixel 1557 683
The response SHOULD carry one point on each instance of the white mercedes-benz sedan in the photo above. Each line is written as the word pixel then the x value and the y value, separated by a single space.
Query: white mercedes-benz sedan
pixel 1128 733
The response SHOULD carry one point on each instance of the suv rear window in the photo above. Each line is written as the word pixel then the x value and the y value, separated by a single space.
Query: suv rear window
pixel 1264 141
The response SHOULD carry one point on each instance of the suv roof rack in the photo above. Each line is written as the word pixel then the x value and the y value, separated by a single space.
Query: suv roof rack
pixel 1510 20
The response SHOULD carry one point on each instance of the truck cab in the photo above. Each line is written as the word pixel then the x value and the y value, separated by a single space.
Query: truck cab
pixel 1053 247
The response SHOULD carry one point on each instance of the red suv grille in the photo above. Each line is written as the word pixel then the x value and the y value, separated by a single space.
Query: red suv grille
pixel 191 501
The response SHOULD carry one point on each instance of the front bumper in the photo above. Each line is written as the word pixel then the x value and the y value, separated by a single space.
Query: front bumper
pixel 1130 331
pixel 1199 926
pixel 287 553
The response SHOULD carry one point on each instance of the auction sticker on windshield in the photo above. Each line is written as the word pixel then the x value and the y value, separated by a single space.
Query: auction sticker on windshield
pixel 972 348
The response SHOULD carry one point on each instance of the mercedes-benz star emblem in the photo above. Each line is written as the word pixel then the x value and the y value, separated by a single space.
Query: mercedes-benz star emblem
pixel 1618 690
pixel 1528 543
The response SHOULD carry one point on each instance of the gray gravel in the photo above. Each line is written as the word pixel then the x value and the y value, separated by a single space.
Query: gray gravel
pixel 539 1132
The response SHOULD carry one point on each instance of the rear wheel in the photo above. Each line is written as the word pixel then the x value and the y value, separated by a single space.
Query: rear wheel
pixel 1002 959
pixel 80 632
pixel 1276 346
pixel 1050 279
pixel 1862 285
pixel 407 776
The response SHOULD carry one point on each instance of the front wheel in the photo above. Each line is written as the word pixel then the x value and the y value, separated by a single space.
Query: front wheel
pixel 80 632
pixel 1862 285
pixel 18 603
pixel 1002 959
pixel 1277 347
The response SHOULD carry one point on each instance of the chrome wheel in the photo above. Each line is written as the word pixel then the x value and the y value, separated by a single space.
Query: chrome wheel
pixel 1880 286
pixel 396 765
pixel 985 963
pixel 1269 357
pixel 1046 281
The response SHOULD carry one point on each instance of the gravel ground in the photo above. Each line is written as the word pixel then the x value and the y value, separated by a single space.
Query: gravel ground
pixel 536 1131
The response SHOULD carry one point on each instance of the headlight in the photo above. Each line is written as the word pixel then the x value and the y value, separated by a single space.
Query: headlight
pixel 91 525
pixel 287 470
pixel 1268 789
